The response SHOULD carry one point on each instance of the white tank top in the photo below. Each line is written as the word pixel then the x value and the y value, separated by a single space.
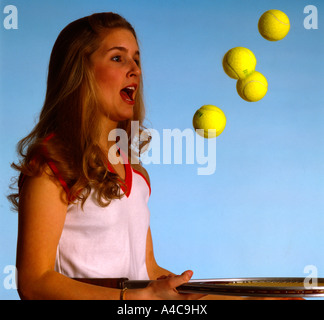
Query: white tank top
pixel 107 242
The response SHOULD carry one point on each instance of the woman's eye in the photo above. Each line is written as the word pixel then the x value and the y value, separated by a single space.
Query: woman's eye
pixel 116 58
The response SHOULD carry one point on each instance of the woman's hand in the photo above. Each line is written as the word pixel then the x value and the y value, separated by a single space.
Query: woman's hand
pixel 164 288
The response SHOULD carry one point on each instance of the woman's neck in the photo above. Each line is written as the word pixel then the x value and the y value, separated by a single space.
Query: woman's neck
pixel 107 127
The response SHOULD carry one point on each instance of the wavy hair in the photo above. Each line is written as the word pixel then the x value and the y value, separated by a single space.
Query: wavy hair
pixel 70 115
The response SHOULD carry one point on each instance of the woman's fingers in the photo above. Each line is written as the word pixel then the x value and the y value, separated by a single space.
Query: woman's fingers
pixel 176 281
pixel 166 287
pixel 181 279
pixel 184 278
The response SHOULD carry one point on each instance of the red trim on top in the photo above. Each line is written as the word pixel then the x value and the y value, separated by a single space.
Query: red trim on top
pixel 49 137
pixel 110 168
pixel 128 174
pixel 58 176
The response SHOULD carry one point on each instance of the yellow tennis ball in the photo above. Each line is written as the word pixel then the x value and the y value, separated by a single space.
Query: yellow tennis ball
pixel 274 25
pixel 239 62
pixel 209 117
pixel 253 88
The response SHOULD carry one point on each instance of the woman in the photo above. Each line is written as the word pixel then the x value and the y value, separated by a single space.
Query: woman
pixel 83 213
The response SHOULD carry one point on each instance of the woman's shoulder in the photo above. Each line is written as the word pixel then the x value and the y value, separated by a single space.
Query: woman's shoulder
pixel 44 182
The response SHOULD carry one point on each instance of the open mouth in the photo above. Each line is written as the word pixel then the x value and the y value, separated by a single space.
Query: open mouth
pixel 128 94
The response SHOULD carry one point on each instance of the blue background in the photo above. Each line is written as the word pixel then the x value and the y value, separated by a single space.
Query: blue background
pixel 261 212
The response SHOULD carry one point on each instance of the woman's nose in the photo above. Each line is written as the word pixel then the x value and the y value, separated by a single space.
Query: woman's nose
pixel 134 69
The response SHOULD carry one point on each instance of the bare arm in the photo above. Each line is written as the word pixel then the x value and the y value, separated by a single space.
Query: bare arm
pixel 153 269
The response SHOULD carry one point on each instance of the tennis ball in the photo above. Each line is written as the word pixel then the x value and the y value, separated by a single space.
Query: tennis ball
pixel 253 88
pixel 209 117
pixel 274 25
pixel 239 62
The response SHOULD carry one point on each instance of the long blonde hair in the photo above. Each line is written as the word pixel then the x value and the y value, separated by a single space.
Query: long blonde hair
pixel 70 114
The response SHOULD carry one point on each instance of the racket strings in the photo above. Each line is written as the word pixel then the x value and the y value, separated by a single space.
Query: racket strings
pixel 271 284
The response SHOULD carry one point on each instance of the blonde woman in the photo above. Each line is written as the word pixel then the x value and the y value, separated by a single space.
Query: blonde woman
pixel 81 213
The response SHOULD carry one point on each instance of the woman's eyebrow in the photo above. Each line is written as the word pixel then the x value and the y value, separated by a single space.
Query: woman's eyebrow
pixel 122 49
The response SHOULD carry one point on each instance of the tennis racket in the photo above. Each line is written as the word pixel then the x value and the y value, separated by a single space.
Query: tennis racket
pixel 255 287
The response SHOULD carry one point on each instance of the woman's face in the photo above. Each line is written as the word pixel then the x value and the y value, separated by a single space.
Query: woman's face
pixel 116 69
